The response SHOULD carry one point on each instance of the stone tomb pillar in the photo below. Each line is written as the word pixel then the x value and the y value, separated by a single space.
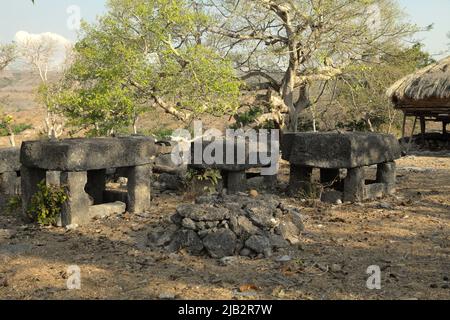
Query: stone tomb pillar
pixel 386 174
pixel 236 181
pixel 76 209
pixel 30 177
pixel 139 189
pixel 300 180
pixel 355 185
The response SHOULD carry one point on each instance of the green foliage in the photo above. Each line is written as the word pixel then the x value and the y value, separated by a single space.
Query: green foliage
pixel 14 204
pixel 246 118
pixel 161 133
pixel 46 204
pixel 16 129
pixel 362 90
pixel 210 177
pixel 143 54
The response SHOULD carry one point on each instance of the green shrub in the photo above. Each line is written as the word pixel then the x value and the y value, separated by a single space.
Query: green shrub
pixel 17 129
pixel 46 204
pixel 14 204
pixel 210 177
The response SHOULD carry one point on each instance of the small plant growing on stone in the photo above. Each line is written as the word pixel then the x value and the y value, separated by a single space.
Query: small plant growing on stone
pixel 46 204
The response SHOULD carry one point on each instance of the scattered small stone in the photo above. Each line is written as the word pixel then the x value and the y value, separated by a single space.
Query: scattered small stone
pixel 167 296
pixel 385 205
pixel 227 261
pixel 189 224
pixel 246 252
pixel 71 227
pixel 254 194
pixel 4 282
pixel 260 244
pixel 336 267
pixel 284 259
pixel 433 286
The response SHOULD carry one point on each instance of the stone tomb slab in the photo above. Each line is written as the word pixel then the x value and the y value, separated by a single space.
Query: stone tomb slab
pixel 333 151
pixel 234 160
pixel 80 165
pixel 336 150
pixel 88 154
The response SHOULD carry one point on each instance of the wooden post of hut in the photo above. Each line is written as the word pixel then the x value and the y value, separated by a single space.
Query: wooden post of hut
pixel 424 95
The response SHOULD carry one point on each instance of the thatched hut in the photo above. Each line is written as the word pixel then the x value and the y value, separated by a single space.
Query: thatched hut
pixel 424 95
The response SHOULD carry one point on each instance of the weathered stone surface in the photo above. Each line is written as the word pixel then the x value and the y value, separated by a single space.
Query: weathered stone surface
pixel 8 183
pixel 88 154
pixel 354 185
pixel 236 181
pixel 300 180
pixel 9 159
pixel 53 178
pixel 336 150
pixel 277 241
pixel 259 244
pixel 244 227
pixel 162 237
pixel 262 216
pixel 203 212
pixel 76 209
pixel 189 224
pixel 164 164
pixel 386 174
pixel 139 189
pixel 289 231
pixel 30 180
pixel 235 156
pixel 105 210
pixel 220 244
pixel 186 239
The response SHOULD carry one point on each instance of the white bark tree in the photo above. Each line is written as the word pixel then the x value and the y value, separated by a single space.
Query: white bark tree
pixel 304 41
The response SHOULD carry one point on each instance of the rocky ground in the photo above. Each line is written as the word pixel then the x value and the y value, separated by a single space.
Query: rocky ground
pixel 408 236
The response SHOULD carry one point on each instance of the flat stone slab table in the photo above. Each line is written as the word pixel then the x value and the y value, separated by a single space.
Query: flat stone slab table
pixel 79 165
pixel 9 171
pixel 333 151
pixel 233 162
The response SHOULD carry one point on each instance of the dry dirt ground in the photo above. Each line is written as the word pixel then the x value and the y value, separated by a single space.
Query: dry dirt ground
pixel 407 236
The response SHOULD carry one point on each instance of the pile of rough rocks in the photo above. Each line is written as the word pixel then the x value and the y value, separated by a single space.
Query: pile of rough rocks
pixel 228 225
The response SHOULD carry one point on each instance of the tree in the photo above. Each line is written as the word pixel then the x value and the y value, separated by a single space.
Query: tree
pixel 39 52
pixel 7 55
pixel 145 54
pixel 305 41
pixel 359 94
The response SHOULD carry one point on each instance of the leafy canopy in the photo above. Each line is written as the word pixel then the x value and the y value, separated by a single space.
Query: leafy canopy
pixel 142 54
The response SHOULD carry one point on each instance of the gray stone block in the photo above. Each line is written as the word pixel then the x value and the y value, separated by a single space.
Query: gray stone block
pixel 355 185
pixel 300 180
pixel 9 159
pixel 105 210
pixel 88 154
pixel 386 174
pixel 236 181
pixel 336 150
pixel 375 191
pixel 30 179
pixel 76 209
pixel 139 189
pixel 234 156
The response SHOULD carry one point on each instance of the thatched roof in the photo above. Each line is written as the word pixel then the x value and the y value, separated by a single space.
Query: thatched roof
pixel 428 88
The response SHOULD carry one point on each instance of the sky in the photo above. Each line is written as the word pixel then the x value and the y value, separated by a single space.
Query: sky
pixel 53 16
